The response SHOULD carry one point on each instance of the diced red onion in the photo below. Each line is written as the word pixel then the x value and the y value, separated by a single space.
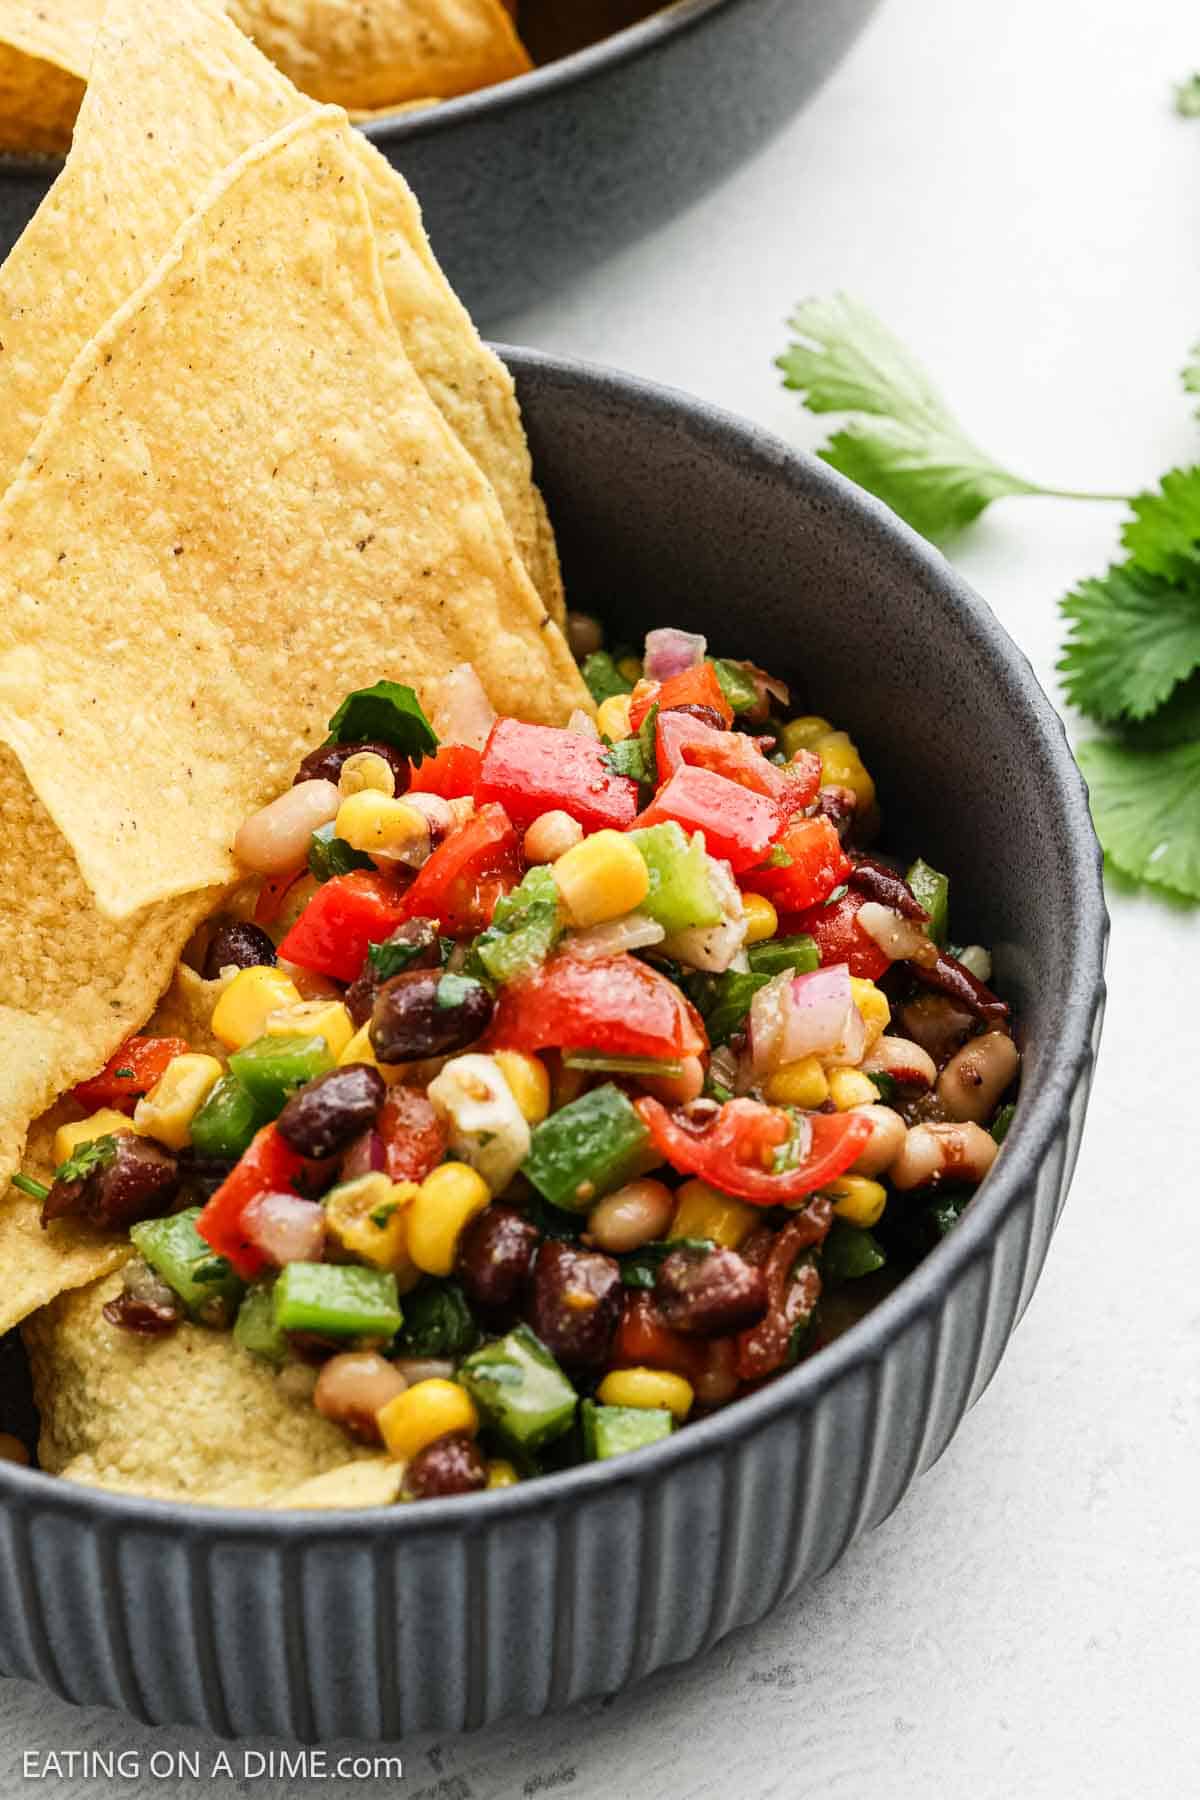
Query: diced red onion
pixel 669 652
pixel 285 1228
pixel 796 1016
pixel 463 714
pixel 363 1156
pixel 896 936
pixel 636 931
pixel 583 724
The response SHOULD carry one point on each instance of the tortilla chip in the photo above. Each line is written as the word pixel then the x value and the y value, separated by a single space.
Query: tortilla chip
pixel 373 56
pixel 373 1481
pixel 176 95
pixel 185 1417
pixel 44 55
pixel 214 462
pixel 186 1011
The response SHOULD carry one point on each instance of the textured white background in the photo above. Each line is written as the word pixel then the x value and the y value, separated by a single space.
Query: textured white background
pixel 1005 182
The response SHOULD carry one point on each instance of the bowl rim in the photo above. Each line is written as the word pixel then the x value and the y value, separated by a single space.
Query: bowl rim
pixel 607 53
pixel 1068 1052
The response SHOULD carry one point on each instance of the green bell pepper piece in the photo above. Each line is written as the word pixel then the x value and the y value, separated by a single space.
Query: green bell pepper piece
pixel 612 1430
pixel 255 1329
pixel 437 1322
pixel 203 1280
pixel 681 890
pixel 271 1068
pixel 735 684
pixel 724 1000
pixel 337 1300
pixel 932 891
pixel 588 1148
pixel 850 1252
pixel 603 677
pixel 525 927
pixel 1003 1120
pixel 774 956
pixel 228 1120
pixel 330 855
pixel 520 1391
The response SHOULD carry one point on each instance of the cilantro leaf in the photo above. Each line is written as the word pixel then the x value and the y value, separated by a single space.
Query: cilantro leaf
pixel 95 1154
pixel 1133 637
pixel 626 757
pixel 1187 97
pixel 1145 809
pixel 901 443
pixel 1164 534
pixel 1190 375
pixel 603 678
pixel 387 713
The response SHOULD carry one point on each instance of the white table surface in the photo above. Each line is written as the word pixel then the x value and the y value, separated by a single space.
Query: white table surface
pixel 1005 182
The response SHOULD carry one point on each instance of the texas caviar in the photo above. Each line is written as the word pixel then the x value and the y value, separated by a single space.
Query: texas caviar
pixel 569 1079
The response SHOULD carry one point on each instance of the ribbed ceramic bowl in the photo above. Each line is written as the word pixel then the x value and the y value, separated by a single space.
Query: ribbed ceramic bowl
pixel 453 1612
pixel 527 184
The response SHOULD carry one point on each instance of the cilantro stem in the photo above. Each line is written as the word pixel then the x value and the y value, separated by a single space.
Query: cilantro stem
pixel 1057 493
pixel 37 1190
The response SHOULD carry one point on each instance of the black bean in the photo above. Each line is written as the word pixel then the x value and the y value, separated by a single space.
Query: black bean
pixel 450 1465
pixel 326 1113
pixel 495 1256
pixel 239 944
pixel 709 1293
pixel 325 763
pixel 145 1305
pixel 574 1304
pixel 424 1014
pixel 421 935
pixel 137 1179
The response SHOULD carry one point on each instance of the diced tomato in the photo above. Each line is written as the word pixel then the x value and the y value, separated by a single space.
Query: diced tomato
pixel 269 1166
pixel 817 863
pixel 414 1138
pixel 343 917
pixel 682 739
pixel 463 879
pixel 615 1005
pixel 453 773
pixel 272 896
pixel 532 769
pixel 839 937
pixel 738 825
pixel 736 1151
pixel 644 1341
pixel 691 687
pixel 129 1073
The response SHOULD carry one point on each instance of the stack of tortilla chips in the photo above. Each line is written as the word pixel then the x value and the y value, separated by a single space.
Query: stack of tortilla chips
pixel 253 455
pixel 377 58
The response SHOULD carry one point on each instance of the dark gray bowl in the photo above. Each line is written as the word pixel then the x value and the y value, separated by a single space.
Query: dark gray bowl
pixel 453 1612
pixel 526 184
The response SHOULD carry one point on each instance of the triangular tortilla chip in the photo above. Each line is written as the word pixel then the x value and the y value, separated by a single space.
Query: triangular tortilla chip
pixel 245 442
pixel 44 55
pixel 176 95
pixel 373 56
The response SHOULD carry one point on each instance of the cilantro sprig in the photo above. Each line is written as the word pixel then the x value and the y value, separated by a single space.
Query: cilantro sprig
pixel 1131 659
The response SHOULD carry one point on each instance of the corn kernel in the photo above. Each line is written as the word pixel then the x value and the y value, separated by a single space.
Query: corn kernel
pixel 612 717
pixel 602 878
pixel 367 1218
pixel 327 1019
pixel 873 1005
pixel 422 1414
pixel 803 734
pixel 241 1013
pixel 631 669
pixel 651 1388
pixel 802 1083
pixel 842 766
pixel 850 1087
pixel 857 1199
pixel 762 921
pixel 68 1138
pixel 379 825
pixel 501 1474
pixel 444 1205
pixel 704 1212
pixel 366 771
pixel 529 1079
pixel 167 1111
pixel 361 1050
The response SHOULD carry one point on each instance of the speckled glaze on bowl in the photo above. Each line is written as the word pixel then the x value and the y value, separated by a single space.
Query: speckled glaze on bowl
pixel 529 183
pixel 451 1613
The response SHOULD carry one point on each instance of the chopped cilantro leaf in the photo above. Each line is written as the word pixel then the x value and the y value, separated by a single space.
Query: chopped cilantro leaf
pixel 97 1153
pixel 388 959
pixel 387 713
pixel 124 1074
pixel 1187 97
pixel 603 678
pixel 625 757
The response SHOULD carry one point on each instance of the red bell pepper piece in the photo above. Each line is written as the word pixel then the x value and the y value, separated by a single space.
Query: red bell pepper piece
pixel 344 916
pixel 817 863
pixel 414 1138
pixel 269 1166
pixel 682 739
pixel 532 769
pixel 463 879
pixel 738 825
pixel 735 1152
pixel 839 937
pixel 615 1005
pixel 129 1073
pixel 644 1341
pixel 453 773
pixel 691 687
